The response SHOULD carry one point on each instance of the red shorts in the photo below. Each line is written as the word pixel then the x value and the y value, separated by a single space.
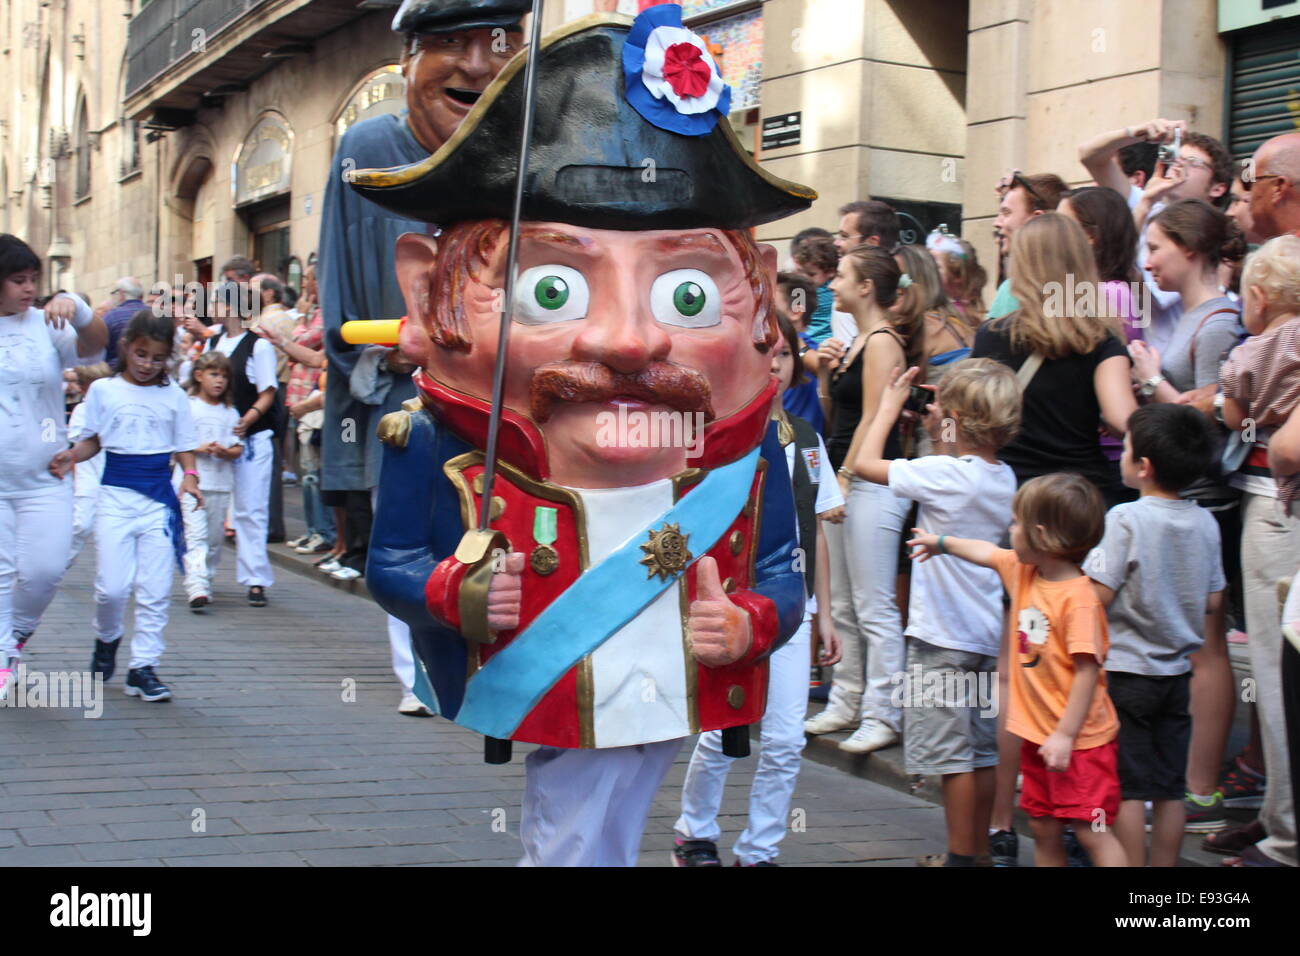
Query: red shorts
pixel 1091 784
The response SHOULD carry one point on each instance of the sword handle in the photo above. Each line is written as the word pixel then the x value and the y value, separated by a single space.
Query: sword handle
pixel 735 741
pixel 496 750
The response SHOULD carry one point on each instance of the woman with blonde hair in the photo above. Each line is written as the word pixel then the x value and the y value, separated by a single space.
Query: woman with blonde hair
pixel 1074 372
pixel 864 549
pixel 922 298
pixel 1070 358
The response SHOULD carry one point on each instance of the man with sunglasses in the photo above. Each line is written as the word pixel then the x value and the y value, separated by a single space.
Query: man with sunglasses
pixel 1273 187
pixel 1023 198
pixel 451 51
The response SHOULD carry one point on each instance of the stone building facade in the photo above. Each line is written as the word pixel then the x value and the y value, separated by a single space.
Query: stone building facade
pixel 157 139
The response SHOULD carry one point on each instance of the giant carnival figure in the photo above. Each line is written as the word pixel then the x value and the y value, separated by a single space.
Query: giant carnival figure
pixel 610 584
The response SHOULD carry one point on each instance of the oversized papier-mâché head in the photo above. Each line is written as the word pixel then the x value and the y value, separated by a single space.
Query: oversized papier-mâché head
pixel 639 288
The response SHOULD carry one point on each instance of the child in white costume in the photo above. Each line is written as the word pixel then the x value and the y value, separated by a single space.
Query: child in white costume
pixel 781 735
pixel 218 447
pixel 140 418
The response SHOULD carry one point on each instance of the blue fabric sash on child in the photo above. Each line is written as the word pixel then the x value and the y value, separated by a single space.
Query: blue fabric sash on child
pixel 151 476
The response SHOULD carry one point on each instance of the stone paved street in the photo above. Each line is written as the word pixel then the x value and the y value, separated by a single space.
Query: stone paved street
pixel 263 754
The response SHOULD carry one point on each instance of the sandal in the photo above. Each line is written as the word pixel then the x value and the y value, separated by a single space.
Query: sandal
pixel 1235 841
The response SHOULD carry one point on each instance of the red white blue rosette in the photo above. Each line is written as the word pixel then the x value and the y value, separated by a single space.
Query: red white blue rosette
pixel 670 77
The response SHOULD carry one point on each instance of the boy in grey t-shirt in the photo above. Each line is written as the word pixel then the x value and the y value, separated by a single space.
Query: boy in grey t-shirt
pixel 1159 571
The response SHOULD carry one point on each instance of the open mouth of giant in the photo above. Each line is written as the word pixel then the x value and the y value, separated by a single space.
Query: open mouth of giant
pixel 462 95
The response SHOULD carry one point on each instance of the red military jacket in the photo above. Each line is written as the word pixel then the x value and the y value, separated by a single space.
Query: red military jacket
pixel 456 591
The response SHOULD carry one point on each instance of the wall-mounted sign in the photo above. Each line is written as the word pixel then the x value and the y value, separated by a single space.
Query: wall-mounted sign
pixel 383 91
pixel 264 161
pixel 783 130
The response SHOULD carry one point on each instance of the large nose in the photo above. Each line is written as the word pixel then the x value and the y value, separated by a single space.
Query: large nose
pixel 619 330
pixel 476 64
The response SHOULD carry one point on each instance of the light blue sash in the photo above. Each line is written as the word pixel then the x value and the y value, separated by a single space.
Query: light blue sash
pixel 596 606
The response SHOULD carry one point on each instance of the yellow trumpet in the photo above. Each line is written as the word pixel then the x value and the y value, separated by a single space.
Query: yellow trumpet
pixel 372 331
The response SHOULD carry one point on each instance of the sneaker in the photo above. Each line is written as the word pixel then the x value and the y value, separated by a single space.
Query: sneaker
pixel 1204 817
pixel 827 722
pixel 1004 848
pixel 8 674
pixel 104 660
pixel 257 596
pixel 412 707
pixel 345 574
pixel 1243 788
pixel 288 478
pixel 199 602
pixel 760 863
pixel 312 545
pixel 23 637
pixel 298 541
pixel 872 735
pixel 329 565
pixel 142 682
pixel 695 853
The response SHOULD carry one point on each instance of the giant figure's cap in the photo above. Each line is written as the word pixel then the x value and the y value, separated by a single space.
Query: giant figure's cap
pixel 604 152
pixel 443 16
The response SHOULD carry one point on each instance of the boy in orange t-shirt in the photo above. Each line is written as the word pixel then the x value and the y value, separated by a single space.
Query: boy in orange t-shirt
pixel 1059 706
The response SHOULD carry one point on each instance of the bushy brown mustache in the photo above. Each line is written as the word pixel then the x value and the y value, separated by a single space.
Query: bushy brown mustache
pixel 659 383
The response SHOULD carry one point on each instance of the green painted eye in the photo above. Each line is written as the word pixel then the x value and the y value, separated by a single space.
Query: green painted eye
pixel 688 299
pixel 551 292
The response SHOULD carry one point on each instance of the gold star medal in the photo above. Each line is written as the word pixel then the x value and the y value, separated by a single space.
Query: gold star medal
pixel 666 552
pixel 544 559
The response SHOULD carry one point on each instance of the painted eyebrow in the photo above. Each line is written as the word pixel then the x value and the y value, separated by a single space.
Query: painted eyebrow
pixel 555 237
pixel 676 243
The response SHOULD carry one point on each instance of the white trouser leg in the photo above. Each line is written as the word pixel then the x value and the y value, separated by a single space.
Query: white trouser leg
pixel 778 762
pixel 42 538
pixel 399 639
pixel 155 560
pixel 35 536
pixel 588 807
pixel 115 541
pixel 251 511
pixel 83 523
pixel 204 537
pixel 1270 549
pixel 781 741
pixel 874 519
pixel 848 676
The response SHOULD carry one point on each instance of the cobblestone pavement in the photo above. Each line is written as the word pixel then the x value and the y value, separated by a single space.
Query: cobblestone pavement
pixel 283 746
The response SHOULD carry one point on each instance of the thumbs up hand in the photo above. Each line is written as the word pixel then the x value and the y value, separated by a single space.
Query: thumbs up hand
pixel 505 594
pixel 718 630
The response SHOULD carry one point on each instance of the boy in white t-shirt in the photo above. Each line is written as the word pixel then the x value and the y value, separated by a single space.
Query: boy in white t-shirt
pixel 217 450
pixel 948 690
pixel 85 481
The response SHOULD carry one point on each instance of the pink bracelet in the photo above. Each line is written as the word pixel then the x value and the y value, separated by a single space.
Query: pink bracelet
pixel 191 472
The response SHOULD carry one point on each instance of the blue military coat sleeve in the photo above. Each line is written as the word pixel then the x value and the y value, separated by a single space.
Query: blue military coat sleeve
pixel 776 576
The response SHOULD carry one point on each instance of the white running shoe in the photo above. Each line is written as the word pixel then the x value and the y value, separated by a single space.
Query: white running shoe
pixel 412 707
pixel 298 541
pixel 827 722
pixel 310 545
pixel 872 735
pixel 345 574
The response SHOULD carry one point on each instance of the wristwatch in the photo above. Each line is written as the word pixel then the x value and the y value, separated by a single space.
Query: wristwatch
pixel 1218 408
pixel 1148 388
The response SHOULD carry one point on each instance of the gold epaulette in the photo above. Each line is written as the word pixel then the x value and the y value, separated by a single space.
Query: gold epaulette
pixel 395 427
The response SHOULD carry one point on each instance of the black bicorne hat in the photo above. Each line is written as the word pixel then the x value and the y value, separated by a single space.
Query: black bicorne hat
pixel 444 16
pixel 595 161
